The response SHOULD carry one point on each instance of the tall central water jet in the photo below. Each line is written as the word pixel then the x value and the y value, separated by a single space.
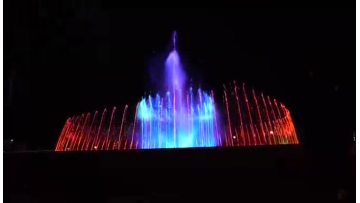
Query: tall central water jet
pixel 175 80
pixel 181 118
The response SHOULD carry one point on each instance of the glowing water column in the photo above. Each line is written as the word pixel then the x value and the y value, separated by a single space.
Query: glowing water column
pixel 180 118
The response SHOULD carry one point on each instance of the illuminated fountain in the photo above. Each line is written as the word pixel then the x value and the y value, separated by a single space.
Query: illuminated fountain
pixel 253 119
pixel 181 118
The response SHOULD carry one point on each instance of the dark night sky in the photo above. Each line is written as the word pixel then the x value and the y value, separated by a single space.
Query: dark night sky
pixel 65 59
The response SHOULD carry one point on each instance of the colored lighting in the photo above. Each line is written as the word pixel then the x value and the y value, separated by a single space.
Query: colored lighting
pixel 181 118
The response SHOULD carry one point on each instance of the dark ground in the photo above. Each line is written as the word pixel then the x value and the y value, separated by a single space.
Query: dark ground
pixel 253 174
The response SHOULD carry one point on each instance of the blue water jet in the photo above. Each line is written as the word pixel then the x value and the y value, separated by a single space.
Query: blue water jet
pixel 180 118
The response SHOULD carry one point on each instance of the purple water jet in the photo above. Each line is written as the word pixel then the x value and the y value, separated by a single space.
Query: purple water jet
pixel 180 118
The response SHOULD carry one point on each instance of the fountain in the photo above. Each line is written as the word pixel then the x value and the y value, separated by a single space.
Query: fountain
pixel 182 117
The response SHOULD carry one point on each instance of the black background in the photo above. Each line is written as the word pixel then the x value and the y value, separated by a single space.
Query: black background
pixel 65 58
